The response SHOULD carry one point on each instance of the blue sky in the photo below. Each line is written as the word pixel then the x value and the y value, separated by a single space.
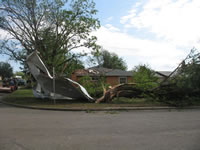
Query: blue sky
pixel 14 64
pixel 159 33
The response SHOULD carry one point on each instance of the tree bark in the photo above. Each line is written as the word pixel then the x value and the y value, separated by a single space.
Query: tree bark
pixel 122 90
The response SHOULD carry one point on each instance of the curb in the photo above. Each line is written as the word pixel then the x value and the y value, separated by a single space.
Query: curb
pixel 100 109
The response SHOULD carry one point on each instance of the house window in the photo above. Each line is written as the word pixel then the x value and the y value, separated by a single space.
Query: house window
pixel 122 80
pixel 95 78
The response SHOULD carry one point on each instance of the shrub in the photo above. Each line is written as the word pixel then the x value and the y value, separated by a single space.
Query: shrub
pixel 145 77
pixel 94 88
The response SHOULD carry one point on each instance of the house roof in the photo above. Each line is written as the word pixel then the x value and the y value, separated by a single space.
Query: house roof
pixel 163 73
pixel 111 72
pixel 100 70
pixel 117 72
pixel 95 71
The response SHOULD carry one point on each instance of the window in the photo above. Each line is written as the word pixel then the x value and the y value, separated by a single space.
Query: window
pixel 95 78
pixel 122 80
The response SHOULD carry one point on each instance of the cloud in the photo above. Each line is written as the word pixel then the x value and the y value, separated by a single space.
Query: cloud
pixel 109 19
pixel 131 15
pixel 176 21
pixel 112 28
pixel 159 55
pixel 3 34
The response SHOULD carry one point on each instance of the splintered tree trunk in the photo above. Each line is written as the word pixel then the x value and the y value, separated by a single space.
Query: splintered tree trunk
pixel 121 90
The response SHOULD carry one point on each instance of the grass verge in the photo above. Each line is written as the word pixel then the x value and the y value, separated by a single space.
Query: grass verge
pixel 25 97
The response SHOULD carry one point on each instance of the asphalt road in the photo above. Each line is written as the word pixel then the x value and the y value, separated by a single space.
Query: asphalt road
pixel 24 129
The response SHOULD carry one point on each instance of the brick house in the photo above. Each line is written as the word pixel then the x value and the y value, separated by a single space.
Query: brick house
pixel 112 76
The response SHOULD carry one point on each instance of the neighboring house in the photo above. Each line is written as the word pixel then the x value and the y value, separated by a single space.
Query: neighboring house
pixel 112 76
pixel 162 74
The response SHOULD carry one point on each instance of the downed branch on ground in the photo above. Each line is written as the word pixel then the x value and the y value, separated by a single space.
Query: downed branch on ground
pixel 128 90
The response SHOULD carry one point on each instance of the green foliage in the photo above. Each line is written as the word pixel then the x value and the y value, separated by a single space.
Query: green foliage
pixel 189 77
pixel 53 27
pixel 19 73
pixel 104 58
pixel 184 88
pixel 86 82
pixel 94 88
pixel 6 71
pixel 73 65
pixel 144 77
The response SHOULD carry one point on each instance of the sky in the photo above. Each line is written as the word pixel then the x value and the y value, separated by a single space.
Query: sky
pixel 159 33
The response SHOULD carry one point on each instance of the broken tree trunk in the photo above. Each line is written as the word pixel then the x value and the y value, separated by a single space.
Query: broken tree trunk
pixel 121 90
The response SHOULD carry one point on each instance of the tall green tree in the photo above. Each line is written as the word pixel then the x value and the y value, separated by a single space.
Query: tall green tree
pixel 72 65
pixel 19 73
pixel 53 27
pixel 144 77
pixel 104 58
pixel 6 71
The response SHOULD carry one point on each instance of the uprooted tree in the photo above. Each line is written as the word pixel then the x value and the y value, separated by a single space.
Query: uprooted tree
pixel 181 87
pixel 52 27
pixel 144 81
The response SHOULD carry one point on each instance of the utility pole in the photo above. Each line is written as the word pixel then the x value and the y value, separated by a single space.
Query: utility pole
pixel 54 86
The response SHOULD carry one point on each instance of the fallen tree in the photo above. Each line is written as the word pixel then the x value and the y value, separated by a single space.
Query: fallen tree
pixel 144 81
pixel 181 87
pixel 122 90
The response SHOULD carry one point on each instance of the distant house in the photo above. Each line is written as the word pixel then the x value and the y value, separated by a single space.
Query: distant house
pixel 162 74
pixel 112 76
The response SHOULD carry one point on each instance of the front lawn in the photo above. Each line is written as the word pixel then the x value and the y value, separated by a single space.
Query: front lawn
pixel 25 97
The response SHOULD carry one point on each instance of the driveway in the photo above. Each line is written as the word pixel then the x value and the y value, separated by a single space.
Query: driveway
pixel 24 129
pixel 1 95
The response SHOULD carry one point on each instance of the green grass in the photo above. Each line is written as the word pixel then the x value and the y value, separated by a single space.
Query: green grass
pixel 25 97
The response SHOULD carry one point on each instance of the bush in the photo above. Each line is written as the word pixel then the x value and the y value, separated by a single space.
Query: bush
pixel 94 88
pixel 145 77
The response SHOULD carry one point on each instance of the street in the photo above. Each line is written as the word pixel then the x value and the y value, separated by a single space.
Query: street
pixel 26 129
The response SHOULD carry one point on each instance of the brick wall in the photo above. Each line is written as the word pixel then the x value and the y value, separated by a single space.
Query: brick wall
pixel 113 80
pixel 130 79
pixel 74 77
